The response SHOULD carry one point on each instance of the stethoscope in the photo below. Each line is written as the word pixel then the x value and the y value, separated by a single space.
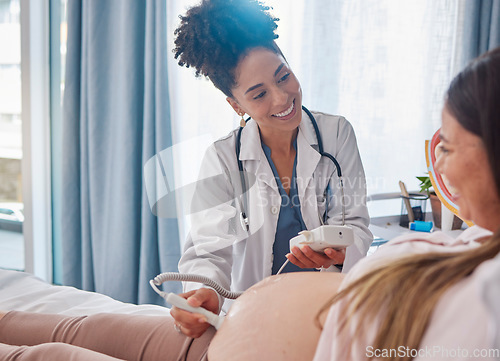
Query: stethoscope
pixel 245 223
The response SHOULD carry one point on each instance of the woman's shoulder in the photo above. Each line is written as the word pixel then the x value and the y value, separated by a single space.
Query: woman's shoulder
pixel 218 154
pixel 468 237
pixel 249 131
pixel 248 143
pixel 418 243
pixel 438 241
pixel 326 119
pixel 327 124
pixel 224 148
pixel 228 139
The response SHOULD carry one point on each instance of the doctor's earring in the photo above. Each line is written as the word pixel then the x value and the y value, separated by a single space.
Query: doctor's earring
pixel 242 121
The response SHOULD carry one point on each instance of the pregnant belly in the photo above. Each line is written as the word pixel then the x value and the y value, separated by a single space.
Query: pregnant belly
pixel 276 319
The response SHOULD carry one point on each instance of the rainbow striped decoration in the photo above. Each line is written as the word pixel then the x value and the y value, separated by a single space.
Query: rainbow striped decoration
pixel 438 184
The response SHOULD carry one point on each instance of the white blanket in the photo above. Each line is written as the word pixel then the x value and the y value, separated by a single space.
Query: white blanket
pixel 24 292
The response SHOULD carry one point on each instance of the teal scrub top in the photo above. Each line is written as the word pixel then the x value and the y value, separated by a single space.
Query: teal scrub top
pixel 290 221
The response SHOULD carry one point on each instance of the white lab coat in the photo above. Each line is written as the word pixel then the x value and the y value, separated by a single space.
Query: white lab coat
pixel 218 247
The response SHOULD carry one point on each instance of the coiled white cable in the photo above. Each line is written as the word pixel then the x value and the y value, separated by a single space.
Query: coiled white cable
pixel 186 277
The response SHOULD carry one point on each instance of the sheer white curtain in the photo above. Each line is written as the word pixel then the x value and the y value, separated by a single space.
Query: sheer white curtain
pixel 383 64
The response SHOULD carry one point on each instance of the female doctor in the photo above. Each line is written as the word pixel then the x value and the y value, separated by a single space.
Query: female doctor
pixel 265 182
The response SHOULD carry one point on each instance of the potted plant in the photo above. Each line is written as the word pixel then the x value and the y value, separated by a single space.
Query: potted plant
pixel 426 187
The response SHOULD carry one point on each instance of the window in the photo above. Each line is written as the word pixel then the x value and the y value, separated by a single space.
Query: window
pixel 31 64
pixel 11 218
pixel 384 65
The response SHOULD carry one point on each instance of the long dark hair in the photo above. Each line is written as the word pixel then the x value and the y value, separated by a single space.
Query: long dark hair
pixel 404 293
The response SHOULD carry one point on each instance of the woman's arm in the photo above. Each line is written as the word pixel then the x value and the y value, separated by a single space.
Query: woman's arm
pixel 276 319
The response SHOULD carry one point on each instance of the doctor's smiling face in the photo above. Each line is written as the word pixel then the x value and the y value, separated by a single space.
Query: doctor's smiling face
pixel 464 163
pixel 268 91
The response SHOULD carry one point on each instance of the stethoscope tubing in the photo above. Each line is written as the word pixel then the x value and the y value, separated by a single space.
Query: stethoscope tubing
pixel 243 216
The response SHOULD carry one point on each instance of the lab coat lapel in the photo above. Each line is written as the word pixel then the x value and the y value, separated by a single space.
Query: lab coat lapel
pixel 307 161
pixel 253 157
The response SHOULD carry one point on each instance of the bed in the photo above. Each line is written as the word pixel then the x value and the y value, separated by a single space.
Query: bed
pixel 24 292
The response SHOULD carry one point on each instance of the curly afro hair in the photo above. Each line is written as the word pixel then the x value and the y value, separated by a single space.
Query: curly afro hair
pixel 216 34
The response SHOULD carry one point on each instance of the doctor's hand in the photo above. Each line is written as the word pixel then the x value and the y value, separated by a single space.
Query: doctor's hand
pixel 195 324
pixel 305 257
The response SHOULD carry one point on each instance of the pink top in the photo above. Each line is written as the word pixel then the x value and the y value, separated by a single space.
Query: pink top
pixel 459 328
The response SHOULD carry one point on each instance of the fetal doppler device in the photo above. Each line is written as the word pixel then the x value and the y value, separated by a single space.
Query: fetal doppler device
pixel 323 237
pixel 327 236
pixel 180 302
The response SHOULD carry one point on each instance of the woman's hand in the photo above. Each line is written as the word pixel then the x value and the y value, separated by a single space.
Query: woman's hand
pixel 305 257
pixel 195 324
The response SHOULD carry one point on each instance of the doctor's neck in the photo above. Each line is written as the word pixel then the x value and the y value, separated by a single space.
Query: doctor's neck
pixel 279 141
